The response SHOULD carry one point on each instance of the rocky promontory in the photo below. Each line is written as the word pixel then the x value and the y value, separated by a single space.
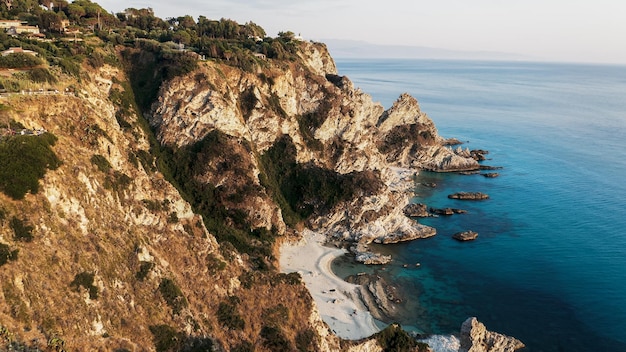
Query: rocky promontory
pixel 476 338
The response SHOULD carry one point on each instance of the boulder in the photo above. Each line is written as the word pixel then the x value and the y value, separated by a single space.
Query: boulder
pixel 476 338
pixel 468 196
pixel 416 210
pixel 491 175
pixel 465 236
pixel 478 154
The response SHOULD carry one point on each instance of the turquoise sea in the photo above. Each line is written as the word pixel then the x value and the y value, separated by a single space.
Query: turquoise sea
pixel 549 265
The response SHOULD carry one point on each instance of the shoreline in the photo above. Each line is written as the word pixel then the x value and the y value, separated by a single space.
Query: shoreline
pixel 336 300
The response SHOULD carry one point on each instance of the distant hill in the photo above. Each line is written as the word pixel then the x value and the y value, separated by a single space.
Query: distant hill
pixel 361 49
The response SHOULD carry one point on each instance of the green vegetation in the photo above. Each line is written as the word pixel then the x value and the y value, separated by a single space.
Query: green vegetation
pixel 214 264
pixel 56 344
pixel 101 162
pixel 41 75
pixel 85 280
pixel 19 60
pixel 144 270
pixel 303 190
pixel 275 340
pixel 398 136
pixel 6 254
pixel 306 341
pixel 310 122
pixel 228 315
pixel 21 231
pixel 172 295
pixel 226 223
pixel 24 161
pixel 394 339
pixel 167 339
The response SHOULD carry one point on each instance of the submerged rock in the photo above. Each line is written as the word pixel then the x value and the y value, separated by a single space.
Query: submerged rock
pixel 468 196
pixel 447 211
pixel 476 338
pixel 491 175
pixel 487 167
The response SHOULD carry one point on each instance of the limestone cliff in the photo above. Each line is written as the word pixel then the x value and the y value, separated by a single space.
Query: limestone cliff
pixel 109 256
pixel 332 126
pixel 132 244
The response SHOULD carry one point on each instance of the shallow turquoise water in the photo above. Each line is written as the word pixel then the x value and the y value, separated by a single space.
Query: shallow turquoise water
pixel 549 265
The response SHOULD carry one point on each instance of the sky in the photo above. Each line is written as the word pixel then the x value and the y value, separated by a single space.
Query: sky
pixel 591 31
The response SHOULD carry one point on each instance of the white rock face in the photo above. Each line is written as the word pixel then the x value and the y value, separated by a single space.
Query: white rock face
pixel 476 338
pixel 332 125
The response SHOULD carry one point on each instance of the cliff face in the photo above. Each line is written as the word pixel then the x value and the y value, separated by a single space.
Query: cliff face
pixel 121 259
pixel 331 124
pixel 113 257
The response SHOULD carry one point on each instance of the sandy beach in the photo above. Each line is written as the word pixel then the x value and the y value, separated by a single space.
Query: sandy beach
pixel 335 299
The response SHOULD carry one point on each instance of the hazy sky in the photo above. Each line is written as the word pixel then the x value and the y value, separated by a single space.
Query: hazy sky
pixel 561 30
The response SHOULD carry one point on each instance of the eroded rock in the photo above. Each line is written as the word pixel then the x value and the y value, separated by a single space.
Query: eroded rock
pixel 465 236
pixel 476 338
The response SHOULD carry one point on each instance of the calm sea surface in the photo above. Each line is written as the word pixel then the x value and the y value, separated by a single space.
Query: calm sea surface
pixel 549 265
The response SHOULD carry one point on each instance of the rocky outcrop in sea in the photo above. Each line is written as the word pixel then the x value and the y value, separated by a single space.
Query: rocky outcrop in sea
pixel 469 196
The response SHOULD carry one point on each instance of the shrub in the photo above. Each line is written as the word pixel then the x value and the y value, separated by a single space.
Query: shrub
pixel 274 339
pixel 85 280
pixel 70 67
pixel 144 270
pixel 6 254
pixel 172 295
pixel 118 181
pixel 309 189
pixel 101 162
pixel 214 264
pixel 41 75
pixel 172 218
pixel 394 339
pixel 228 316
pixel 276 315
pixel 305 341
pixel 24 161
pixel 19 60
pixel 21 231
pixel 165 338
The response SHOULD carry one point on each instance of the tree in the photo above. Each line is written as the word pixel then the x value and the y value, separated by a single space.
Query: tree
pixel 75 12
pixel 182 37
pixel 50 21
pixel 186 22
